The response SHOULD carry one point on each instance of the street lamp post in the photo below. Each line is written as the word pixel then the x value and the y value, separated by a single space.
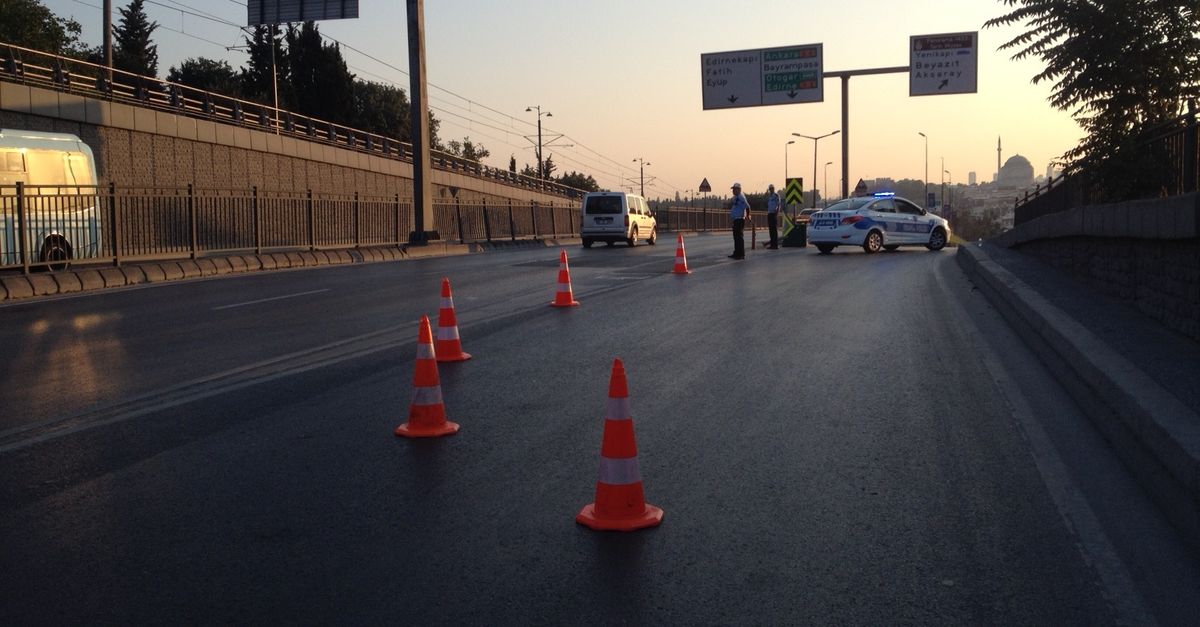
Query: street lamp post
pixel 529 109
pixel 926 138
pixel 785 159
pixel 825 185
pixel 814 178
pixel 951 181
pixel 642 163
pixel 943 181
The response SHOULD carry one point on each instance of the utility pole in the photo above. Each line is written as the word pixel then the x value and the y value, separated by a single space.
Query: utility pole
pixel 108 51
pixel 419 120
pixel 541 166
pixel 643 163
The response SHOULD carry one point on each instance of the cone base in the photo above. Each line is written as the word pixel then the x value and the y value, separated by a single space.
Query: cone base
pixel 461 356
pixel 683 271
pixel 406 430
pixel 652 517
pixel 555 303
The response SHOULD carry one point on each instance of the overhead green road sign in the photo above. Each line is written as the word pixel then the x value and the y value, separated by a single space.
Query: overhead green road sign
pixel 794 194
pixel 769 76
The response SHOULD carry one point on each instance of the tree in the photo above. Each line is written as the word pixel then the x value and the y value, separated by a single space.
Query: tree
pixel 322 84
pixel 266 67
pixel 208 75
pixel 512 164
pixel 30 24
pixel 133 50
pixel 382 109
pixel 1122 68
pixel 468 150
pixel 579 180
pixel 548 167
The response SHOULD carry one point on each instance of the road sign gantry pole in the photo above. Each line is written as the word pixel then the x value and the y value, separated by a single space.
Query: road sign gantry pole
pixel 845 76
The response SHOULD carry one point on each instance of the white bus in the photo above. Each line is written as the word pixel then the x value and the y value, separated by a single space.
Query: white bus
pixel 58 176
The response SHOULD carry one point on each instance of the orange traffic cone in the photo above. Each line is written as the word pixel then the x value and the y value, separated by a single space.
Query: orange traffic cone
pixel 564 297
pixel 448 346
pixel 426 414
pixel 680 258
pixel 620 503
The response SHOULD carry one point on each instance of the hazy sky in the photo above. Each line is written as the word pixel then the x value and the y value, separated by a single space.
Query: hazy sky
pixel 622 79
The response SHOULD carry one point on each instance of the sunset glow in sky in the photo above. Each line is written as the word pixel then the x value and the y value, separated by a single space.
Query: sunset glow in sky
pixel 623 81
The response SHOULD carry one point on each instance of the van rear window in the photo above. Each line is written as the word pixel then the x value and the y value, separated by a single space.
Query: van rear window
pixel 602 204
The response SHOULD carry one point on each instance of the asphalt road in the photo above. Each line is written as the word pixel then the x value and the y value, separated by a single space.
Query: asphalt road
pixel 845 439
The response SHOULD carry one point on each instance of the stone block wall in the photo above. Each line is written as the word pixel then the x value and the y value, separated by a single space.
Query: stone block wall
pixel 1145 252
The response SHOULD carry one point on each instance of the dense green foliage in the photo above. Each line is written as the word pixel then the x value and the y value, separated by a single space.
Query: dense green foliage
pixel 28 23
pixel 133 49
pixel 207 74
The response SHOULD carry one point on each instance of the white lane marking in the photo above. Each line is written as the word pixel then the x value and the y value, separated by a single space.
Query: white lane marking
pixel 267 300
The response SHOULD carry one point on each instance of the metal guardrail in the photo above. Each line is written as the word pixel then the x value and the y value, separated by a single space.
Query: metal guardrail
pixel 1176 170
pixel 64 74
pixel 675 218
pixel 51 227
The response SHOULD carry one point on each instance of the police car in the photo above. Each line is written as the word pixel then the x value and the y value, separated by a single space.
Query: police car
pixel 883 221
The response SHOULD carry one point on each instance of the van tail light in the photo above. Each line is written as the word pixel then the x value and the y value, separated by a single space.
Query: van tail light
pixel 851 219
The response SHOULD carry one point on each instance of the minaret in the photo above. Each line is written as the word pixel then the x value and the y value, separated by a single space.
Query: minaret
pixel 997 179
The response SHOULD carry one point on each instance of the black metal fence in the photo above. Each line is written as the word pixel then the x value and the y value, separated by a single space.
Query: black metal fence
pixel 27 66
pixel 676 218
pixel 53 226
pixel 1168 162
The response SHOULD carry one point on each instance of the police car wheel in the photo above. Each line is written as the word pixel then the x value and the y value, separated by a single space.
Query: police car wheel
pixel 937 241
pixel 873 243
pixel 825 249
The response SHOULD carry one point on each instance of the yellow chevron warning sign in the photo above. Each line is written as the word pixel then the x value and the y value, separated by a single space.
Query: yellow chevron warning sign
pixel 794 195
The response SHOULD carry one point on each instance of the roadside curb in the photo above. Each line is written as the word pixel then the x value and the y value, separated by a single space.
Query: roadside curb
pixel 1156 435
pixel 86 279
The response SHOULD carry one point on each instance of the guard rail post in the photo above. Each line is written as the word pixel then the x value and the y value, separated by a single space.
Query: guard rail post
pixel 191 209
pixel 116 223
pixel 22 236
pixel 512 226
pixel 462 238
pixel 257 221
pixel 312 222
pixel 487 224
pixel 354 220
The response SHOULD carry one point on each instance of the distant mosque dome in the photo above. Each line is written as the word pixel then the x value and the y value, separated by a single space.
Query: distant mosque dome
pixel 1017 173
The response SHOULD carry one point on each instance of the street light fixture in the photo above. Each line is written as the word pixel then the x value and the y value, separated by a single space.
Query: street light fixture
pixel 785 159
pixel 815 140
pixel 825 199
pixel 541 173
pixel 643 163
pixel 926 168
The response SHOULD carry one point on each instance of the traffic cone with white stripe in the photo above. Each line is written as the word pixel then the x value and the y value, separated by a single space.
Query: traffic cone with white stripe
pixel 620 502
pixel 426 413
pixel 449 347
pixel 680 258
pixel 564 297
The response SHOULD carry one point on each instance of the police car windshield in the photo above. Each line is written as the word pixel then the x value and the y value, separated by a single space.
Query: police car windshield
pixel 849 204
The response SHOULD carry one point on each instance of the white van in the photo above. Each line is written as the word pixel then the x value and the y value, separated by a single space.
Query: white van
pixel 616 217
pixel 61 222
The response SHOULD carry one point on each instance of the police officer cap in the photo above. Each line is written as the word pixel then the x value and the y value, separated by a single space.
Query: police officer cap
pixel 736 186
pixel 771 187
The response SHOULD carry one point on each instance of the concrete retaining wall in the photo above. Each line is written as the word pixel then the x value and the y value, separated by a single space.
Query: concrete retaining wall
pixel 1146 252
pixel 142 147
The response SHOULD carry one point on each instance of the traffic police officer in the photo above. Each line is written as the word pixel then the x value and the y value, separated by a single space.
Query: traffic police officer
pixel 773 216
pixel 739 212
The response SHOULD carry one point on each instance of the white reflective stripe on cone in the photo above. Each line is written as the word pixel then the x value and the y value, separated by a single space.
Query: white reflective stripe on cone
pixel 427 395
pixel 619 471
pixel 447 303
pixel 447 333
pixel 618 409
pixel 425 351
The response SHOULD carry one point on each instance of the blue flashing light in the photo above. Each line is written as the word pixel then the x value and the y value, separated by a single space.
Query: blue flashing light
pixel 884 194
